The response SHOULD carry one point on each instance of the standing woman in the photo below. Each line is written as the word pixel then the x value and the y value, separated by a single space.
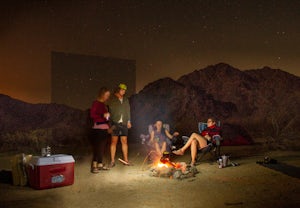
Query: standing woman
pixel 99 135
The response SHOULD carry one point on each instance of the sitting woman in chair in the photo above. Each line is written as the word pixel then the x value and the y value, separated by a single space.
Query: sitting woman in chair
pixel 159 137
pixel 197 141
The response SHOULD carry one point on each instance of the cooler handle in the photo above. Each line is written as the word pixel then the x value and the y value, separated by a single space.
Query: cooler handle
pixel 57 170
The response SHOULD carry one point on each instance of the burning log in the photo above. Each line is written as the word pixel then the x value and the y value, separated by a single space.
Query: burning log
pixel 173 170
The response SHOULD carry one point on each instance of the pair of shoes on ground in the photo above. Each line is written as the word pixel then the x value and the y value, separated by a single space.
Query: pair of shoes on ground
pixel 96 168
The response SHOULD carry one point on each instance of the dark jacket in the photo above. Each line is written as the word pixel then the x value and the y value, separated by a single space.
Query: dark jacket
pixel 116 109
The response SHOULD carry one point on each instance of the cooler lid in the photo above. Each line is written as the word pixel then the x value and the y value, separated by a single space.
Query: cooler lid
pixel 51 160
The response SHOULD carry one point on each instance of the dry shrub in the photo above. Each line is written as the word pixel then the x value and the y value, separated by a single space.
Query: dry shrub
pixel 34 140
pixel 279 130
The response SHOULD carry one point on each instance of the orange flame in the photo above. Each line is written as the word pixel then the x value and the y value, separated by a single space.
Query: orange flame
pixel 162 165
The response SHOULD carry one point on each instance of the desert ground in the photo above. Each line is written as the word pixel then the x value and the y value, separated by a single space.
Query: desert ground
pixel 247 185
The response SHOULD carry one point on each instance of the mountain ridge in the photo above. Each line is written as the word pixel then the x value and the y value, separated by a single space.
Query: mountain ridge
pixel 251 103
pixel 253 99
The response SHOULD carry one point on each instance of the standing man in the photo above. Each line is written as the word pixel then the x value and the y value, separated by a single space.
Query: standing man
pixel 120 116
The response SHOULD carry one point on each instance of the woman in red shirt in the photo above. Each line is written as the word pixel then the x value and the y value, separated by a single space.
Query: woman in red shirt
pixel 99 135
pixel 197 141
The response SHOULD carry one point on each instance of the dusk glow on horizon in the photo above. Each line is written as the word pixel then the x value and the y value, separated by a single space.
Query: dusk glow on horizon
pixel 166 38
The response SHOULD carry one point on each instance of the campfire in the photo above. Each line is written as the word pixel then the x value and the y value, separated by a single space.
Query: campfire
pixel 168 169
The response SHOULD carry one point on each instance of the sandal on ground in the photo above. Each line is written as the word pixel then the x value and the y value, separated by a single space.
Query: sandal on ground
pixel 102 167
pixel 94 170
pixel 128 164
pixel 112 164
pixel 193 164
pixel 178 152
pixel 125 162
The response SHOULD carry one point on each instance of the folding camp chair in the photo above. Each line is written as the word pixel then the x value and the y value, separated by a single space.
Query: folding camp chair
pixel 145 140
pixel 213 147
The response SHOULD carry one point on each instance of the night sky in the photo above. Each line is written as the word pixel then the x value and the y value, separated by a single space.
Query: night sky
pixel 166 38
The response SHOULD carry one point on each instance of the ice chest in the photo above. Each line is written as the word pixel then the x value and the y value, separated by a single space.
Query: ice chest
pixel 50 172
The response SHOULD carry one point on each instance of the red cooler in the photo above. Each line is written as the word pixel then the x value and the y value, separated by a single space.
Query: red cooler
pixel 50 172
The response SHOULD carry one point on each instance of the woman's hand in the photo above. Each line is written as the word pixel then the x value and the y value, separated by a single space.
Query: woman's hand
pixel 129 125
pixel 207 137
pixel 106 115
pixel 175 134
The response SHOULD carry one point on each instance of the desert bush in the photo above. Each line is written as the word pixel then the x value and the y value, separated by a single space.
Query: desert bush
pixel 279 130
pixel 34 140
pixel 19 140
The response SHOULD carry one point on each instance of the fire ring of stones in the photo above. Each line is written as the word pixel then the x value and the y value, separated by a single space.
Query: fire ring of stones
pixel 176 171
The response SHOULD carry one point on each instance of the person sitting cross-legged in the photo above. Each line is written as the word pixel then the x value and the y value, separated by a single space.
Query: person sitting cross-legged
pixel 159 138
pixel 197 141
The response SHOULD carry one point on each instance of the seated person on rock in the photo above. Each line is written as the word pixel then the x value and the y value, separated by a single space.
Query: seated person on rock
pixel 159 137
pixel 197 141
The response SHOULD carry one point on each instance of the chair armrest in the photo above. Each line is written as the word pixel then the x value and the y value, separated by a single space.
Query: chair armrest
pixel 217 139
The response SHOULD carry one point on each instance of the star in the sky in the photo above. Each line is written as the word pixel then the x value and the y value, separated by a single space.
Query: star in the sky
pixel 280 32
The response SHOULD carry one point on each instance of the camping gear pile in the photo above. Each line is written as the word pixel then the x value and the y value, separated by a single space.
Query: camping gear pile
pixel 18 167
pixel 224 162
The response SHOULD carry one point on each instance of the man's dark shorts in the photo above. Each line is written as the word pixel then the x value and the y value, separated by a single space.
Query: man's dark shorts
pixel 119 130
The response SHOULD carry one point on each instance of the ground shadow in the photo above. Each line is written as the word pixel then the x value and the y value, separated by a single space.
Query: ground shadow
pixel 6 177
pixel 289 170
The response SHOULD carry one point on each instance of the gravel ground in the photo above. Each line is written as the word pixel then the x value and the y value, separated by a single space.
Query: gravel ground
pixel 247 185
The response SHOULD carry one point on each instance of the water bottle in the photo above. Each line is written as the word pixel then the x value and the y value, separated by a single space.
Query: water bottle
pixel 220 163
pixel 43 152
pixel 48 151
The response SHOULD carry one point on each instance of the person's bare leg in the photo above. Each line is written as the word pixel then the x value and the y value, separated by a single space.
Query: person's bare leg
pixel 202 141
pixel 194 147
pixel 113 147
pixel 189 142
pixel 124 147
pixel 157 148
pixel 163 148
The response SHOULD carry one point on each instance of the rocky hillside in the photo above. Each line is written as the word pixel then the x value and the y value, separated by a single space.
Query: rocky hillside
pixel 256 93
pixel 23 123
pixel 19 115
pixel 263 102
